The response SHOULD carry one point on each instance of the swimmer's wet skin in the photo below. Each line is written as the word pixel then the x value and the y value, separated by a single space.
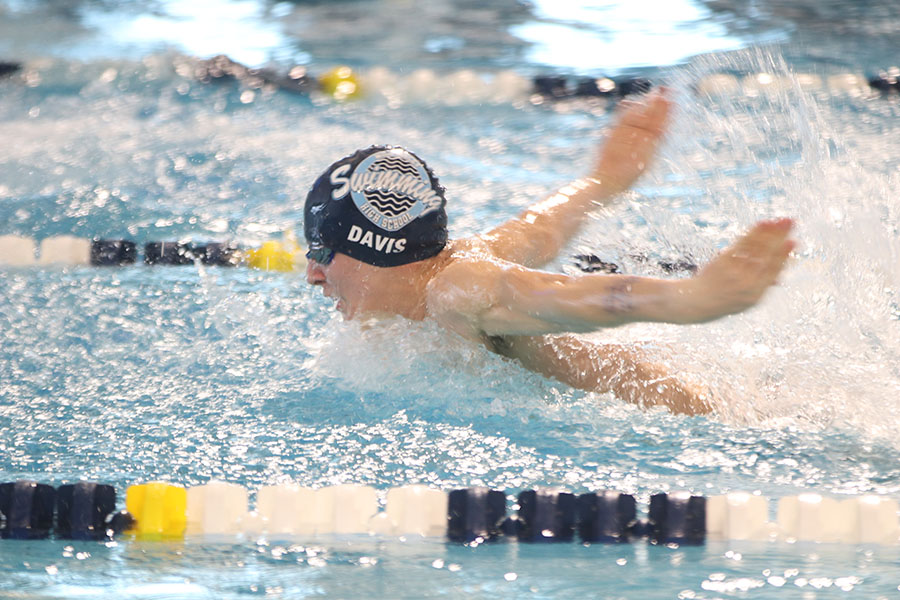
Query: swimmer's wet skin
pixel 376 229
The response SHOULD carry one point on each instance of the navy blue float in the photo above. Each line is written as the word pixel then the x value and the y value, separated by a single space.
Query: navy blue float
pixel 222 68
pixel 108 253
pixel 608 87
pixel 27 509
pixel 591 263
pixel 105 252
pixel 168 253
pixel 607 517
pixel 677 518
pixel 475 513
pixel 678 266
pixel 886 81
pixel 179 253
pixel 552 86
pixel 82 509
pixel 8 68
pixel 217 254
pixel 546 516
pixel 556 87
pixel 119 521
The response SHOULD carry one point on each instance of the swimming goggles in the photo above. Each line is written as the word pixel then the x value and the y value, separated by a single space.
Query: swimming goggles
pixel 320 254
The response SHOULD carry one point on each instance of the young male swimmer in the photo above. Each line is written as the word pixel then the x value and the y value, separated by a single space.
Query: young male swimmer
pixel 376 229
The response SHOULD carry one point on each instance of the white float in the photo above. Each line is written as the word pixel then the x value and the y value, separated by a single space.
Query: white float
pixel 216 509
pixel 65 250
pixel 16 250
pixel 287 510
pixel 417 510
pixel 344 509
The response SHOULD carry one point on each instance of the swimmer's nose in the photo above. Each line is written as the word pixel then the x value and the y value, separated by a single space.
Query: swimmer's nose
pixel 314 273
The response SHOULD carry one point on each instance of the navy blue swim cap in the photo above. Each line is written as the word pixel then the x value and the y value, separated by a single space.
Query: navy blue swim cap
pixel 382 206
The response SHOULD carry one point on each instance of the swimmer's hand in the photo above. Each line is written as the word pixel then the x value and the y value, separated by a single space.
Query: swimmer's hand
pixel 632 143
pixel 739 276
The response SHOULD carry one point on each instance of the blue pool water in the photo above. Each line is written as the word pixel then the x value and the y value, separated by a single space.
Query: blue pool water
pixel 192 374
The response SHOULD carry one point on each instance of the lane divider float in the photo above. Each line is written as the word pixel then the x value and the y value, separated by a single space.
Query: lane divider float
pixel 274 255
pixel 467 86
pixel 220 511
pixel 8 68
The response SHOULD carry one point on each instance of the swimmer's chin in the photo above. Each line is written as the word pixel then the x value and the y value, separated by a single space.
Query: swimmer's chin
pixel 346 313
pixel 352 314
pixel 349 313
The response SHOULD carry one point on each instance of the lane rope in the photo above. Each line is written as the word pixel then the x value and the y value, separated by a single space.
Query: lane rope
pixel 219 511
pixel 66 250
pixel 460 87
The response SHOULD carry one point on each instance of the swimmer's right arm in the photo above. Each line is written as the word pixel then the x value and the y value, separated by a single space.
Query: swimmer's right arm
pixel 538 235
pixel 499 298
pixel 627 372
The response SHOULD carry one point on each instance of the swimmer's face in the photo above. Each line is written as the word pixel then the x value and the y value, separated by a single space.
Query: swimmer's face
pixel 347 281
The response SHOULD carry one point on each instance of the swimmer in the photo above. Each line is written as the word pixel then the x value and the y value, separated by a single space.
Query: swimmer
pixel 376 229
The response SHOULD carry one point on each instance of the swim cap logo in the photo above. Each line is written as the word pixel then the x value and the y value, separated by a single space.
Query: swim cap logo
pixel 390 188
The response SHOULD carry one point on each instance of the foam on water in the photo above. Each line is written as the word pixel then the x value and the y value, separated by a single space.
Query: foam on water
pixel 821 350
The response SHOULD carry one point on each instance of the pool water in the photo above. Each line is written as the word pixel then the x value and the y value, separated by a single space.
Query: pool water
pixel 189 374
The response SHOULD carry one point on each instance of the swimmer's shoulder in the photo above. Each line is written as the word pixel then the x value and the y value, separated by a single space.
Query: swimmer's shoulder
pixel 464 263
pixel 470 248
pixel 463 287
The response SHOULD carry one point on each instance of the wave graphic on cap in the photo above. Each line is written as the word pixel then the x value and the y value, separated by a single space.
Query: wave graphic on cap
pixel 391 188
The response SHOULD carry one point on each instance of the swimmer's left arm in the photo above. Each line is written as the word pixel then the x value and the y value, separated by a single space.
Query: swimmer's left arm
pixel 535 303
pixel 498 298
pixel 501 298
pixel 537 236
